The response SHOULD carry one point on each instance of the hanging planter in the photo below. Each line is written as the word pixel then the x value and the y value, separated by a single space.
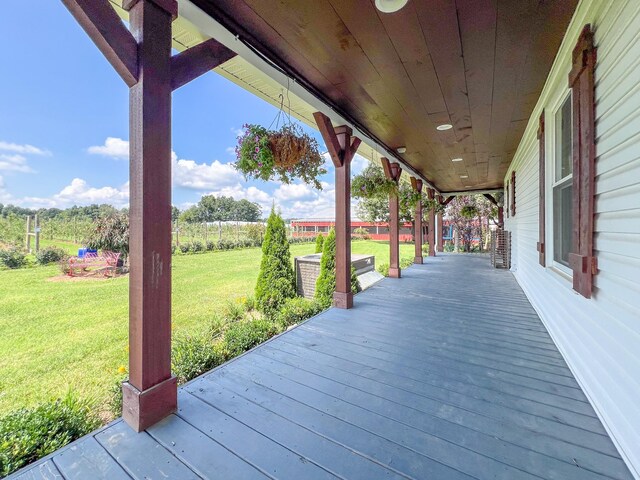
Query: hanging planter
pixel 283 154
pixel 372 183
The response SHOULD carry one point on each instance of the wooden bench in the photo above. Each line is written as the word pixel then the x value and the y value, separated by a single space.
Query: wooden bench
pixel 104 262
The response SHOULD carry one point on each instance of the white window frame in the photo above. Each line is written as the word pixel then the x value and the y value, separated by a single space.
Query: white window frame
pixel 551 183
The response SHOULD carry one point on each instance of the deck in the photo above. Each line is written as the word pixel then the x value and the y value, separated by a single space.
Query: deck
pixel 447 373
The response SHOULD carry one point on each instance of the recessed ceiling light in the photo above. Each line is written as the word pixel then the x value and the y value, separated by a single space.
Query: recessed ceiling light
pixel 464 176
pixel 390 6
pixel 444 126
pixel 456 159
pixel 401 149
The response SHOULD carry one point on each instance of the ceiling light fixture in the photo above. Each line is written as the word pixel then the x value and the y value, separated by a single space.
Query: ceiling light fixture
pixel 456 159
pixel 464 176
pixel 401 149
pixel 390 6
pixel 444 126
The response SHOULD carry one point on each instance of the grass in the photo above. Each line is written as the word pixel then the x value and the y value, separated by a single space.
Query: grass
pixel 60 334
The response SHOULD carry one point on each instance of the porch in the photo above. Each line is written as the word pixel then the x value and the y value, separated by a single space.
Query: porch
pixel 446 373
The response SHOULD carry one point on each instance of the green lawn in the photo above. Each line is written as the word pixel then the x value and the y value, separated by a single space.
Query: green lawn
pixel 60 334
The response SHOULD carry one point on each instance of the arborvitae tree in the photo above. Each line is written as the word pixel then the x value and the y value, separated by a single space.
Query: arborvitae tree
pixel 319 243
pixel 326 283
pixel 276 280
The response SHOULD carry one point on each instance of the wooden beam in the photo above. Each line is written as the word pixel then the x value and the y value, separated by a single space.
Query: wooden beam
pixel 342 146
pixel 491 198
pixel 416 184
pixel 151 392
pixel 198 60
pixel 110 35
pixel 447 200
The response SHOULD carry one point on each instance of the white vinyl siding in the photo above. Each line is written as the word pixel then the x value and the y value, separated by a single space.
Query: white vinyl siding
pixel 599 337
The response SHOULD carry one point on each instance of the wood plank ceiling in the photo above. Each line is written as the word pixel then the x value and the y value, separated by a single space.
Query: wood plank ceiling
pixel 479 65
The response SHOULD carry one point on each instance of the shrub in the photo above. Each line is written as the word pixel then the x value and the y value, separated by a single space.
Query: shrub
pixel 115 396
pixel 234 310
pixel 319 243
pixel 29 434
pixel 243 336
pixel 110 232
pixel 326 282
pixel 276 280
pixel 406 262
pixel 383 268
pixel 197 246
pixel 13 257
pixel 50 255
pixel 185 247
pixel 355 284
pixel 425 248
pixel 296 310
pixel 449 247
pixel 249 303
pixel 361 233
pixel 192 355
pixel 211 245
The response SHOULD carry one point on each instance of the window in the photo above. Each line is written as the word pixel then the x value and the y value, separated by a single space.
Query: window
pixel 563 184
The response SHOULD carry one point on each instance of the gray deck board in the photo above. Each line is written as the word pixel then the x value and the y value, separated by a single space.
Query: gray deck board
pixel 429 376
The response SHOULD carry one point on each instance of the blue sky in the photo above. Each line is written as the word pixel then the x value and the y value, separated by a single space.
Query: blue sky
pixel 64 125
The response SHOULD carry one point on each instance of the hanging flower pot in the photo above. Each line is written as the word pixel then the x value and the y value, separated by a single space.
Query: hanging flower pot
pixel 283 154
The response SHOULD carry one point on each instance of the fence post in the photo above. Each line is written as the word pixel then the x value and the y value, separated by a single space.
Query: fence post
pixel 28 239
pixel 37 232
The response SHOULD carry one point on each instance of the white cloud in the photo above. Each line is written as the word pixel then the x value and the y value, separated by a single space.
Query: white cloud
pixel 14 163
pixel 294 191
pixel 358 164
pixel 204 176
pixel 186 173
pixel 253 194
pixel 78 192
pixel 24 149
pixel 113 147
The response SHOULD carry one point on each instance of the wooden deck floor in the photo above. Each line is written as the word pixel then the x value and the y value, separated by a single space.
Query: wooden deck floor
pixel 446 373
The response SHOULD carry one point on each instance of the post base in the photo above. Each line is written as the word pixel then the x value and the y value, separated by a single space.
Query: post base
pixel 394 272
pixel 142 409
pixel 343 300
pixel 418 260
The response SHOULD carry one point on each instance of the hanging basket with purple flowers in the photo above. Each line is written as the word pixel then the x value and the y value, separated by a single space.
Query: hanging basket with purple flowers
pixel 283 154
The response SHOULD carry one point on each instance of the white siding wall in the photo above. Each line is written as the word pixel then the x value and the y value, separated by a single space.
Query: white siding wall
pixel 600 337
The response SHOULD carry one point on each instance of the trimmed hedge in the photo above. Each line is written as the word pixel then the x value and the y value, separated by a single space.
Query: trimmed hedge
pixel 193 355
pixel 319 243
pixel 245 335
pixel 296 310
pixel 13 257
pixel 50 255
pixel 31 433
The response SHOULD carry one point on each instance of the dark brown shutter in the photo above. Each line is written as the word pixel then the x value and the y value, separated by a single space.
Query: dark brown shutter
pixel 513 193
pixel 581 82
pixel 541 204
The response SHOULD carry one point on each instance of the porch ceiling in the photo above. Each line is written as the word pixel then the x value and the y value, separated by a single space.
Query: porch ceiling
pixel 477 64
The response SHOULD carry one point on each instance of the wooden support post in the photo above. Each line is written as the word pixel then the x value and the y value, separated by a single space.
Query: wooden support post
pixel 151 392
pixel 440 242
pixel 342 146
pixel 393 172
pixel 143 59
pixel 501 216
pixel 417 186
pixel 432 225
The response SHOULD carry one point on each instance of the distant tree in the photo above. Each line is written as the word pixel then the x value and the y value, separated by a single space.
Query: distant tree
pixel 191 215
pixel 246 211
pixel 276 280
pixel 470 216
pixel 110 232
pixel 175 213
pixel 319 243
